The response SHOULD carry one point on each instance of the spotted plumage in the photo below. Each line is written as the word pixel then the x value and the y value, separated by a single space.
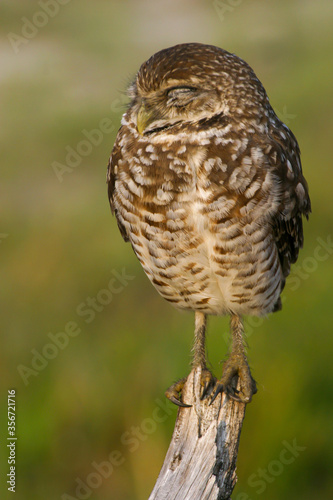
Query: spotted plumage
pixel 206 183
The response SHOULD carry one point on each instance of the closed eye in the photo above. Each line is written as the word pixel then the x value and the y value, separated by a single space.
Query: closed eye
pixel 180 92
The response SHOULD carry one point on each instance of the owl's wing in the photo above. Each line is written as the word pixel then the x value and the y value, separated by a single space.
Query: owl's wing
pixel 260 177
pixel 111 178
pixel 295 201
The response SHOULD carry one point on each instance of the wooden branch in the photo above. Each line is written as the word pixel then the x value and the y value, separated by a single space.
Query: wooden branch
pixel 201 460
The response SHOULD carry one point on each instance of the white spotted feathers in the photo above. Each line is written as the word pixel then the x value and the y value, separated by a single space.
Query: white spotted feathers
pixel 210 194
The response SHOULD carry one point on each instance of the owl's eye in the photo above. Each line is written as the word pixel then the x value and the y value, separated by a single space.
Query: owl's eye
pixel 181 92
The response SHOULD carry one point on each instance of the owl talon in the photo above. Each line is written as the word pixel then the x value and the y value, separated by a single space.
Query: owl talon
pixel 177 402
pixel 236 367
pixel 218 390
pixel 233 394
pixel 208 382
pixel 174 391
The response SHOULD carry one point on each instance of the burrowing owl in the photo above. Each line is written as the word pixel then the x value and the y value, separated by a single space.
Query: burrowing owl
pixel 206 183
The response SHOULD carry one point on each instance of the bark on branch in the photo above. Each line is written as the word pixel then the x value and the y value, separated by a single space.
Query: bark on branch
pixel 201 460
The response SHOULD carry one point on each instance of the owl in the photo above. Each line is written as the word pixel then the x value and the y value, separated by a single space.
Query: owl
pixel 206 184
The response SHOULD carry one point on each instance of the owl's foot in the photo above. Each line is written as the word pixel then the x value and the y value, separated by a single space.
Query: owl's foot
pixel 174 393
pixel 208 382
pixel 236 367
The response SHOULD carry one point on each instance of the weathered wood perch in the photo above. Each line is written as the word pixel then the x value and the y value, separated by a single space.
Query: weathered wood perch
pixel 201 460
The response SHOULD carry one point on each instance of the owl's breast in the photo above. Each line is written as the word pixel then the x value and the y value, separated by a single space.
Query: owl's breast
pixel 200 244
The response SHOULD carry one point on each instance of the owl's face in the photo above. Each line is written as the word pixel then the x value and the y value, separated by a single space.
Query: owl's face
pixel 189 83
pixel 177 101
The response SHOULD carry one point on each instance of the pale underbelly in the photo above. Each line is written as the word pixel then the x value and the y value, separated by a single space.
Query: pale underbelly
pixel 199 275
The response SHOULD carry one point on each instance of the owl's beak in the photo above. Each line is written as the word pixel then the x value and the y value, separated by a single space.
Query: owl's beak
pixel 145 118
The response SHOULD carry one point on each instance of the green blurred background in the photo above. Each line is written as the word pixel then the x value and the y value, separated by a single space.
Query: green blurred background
pixel 100 397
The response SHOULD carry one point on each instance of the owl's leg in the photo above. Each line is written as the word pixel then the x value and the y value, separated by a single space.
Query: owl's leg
pixel 199 353
pixel 199 359
pixel 236 366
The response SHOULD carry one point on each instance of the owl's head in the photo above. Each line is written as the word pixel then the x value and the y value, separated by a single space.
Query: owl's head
pixel 191 83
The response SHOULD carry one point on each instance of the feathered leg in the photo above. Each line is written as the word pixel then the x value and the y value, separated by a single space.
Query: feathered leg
pixel 236 366
pixel 199 359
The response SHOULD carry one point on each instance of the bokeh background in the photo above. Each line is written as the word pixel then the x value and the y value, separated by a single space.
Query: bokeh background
pixel 98 398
